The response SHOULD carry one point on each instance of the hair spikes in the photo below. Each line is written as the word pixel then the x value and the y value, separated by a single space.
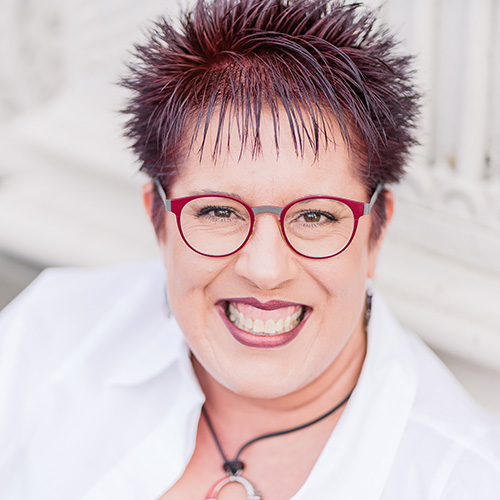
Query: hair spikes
pixel 320 65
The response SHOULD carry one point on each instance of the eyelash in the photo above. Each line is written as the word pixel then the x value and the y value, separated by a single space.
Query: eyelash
pixel 328 216
pixel 206 211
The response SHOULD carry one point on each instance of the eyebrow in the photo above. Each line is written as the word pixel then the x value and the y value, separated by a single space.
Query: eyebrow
pixel 210 191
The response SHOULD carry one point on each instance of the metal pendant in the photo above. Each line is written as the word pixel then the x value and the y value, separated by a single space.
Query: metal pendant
pixel 251 491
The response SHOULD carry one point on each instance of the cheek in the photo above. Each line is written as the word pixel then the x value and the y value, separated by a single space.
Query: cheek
pixel 342 274
pixel 188 276
pixel 343 279
pixel 346 295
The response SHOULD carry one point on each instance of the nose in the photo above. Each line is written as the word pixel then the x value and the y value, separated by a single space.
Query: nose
pixel 266 260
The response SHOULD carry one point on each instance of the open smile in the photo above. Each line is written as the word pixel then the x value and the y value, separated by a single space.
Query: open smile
pixel 270 324
pixel 264 322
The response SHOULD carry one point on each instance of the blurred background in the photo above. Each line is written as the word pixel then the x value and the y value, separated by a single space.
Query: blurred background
pixel 70 195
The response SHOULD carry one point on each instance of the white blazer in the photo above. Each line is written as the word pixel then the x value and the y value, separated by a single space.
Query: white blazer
pixel 98 401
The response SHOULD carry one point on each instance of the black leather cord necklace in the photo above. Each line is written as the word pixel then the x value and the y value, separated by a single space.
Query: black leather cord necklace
pixel 234 468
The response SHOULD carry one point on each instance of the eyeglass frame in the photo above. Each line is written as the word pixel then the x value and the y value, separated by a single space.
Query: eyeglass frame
pixel 358 209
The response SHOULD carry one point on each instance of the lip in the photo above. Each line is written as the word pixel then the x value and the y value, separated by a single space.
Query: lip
pixel 267 306
pixel 261 341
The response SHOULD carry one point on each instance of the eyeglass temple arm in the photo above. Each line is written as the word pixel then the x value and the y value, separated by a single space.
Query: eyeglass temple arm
pixel 373 199
pixel 367 210
pixel 166 202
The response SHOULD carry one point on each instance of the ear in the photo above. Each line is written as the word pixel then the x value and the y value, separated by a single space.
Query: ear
pixel 375 248
pixel 148 196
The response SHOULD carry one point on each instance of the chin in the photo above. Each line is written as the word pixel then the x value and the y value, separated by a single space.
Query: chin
pixel 265 379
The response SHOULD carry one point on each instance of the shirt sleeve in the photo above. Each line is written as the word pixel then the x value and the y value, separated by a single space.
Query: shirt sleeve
pixel 38 330
pixel 24 362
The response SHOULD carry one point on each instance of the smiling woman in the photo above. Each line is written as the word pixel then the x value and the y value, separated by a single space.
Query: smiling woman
pixel 270 369
pixel 318 295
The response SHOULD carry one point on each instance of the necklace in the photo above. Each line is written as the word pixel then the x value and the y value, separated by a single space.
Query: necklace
pixel 234 468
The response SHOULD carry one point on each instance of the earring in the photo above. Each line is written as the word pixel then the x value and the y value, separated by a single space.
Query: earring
pixel 166 306
pixel 368 305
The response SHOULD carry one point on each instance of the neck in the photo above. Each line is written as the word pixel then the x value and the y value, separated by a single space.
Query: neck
pixel 256 416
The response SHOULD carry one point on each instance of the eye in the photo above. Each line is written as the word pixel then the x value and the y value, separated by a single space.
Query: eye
pixel 219 213
pixel 316 217
pixel 222 213
pixel 312 217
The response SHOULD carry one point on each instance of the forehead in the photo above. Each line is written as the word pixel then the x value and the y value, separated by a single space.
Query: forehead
pixel 273 169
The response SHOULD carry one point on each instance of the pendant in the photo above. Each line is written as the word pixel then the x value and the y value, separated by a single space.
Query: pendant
pixel 251 491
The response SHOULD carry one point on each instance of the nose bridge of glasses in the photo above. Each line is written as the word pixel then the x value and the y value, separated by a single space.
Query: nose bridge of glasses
pixel 267 209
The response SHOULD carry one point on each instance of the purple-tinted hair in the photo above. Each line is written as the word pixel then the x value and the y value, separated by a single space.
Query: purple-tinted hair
pixel 322 65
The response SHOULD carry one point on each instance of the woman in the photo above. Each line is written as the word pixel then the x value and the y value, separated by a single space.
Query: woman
pixel 270 130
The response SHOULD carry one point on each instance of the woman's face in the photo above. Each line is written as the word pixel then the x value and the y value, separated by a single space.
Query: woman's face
pixel 330 291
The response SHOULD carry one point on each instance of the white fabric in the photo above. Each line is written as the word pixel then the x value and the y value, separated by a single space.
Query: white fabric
pixel 98 401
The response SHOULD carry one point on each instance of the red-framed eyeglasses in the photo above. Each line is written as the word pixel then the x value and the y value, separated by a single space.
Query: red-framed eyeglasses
pixel 317 227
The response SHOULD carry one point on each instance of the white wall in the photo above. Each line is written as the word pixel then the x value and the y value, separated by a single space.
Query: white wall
pixel 69 193
pixel 441 268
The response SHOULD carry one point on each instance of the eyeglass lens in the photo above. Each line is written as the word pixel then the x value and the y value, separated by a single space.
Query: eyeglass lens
pixel 317 227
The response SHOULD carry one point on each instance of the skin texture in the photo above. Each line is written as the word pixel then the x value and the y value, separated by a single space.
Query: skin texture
pixel 265 390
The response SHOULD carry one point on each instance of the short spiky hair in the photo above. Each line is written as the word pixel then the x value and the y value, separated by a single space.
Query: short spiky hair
pixel 321 62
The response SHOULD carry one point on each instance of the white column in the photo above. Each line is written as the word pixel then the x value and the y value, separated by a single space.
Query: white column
pixel 474 131
pixel 422 16
pixel 494 143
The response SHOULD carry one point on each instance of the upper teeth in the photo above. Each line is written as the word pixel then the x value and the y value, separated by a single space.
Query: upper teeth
pixel 269 327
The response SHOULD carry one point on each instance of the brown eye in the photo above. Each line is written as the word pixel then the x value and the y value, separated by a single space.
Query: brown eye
pixel 222 213
pixel 217 212
pixel 312 217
